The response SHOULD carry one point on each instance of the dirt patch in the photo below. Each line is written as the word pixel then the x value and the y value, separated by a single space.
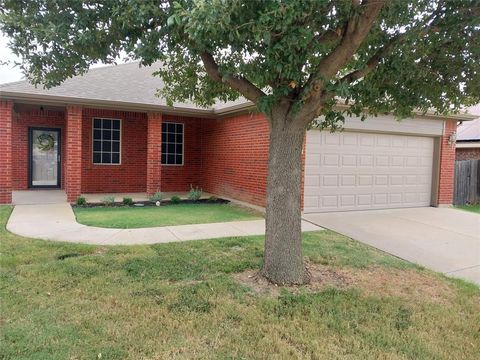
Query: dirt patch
pixel 321 276
pixel 373 281
pixel 411 283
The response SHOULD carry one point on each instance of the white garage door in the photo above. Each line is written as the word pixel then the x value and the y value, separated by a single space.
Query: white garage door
pixel 357 171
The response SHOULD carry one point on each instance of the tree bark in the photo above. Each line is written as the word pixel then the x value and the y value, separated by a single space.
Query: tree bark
pixel 283 259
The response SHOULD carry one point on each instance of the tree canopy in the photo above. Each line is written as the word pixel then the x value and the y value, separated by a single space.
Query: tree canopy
pixel 392 55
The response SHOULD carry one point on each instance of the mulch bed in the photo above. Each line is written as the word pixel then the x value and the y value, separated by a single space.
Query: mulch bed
pixel 150 203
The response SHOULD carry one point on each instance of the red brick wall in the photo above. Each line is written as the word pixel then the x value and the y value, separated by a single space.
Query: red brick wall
pixel 447 165
pixel 6 108
pixel 24 118
pixel 467 153
pixel 154 151
pixel 235 157
pixel 73 154
pixel 131 174
pixel 179 178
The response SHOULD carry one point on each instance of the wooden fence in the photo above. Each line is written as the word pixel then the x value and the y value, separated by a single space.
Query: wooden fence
pixel 467 182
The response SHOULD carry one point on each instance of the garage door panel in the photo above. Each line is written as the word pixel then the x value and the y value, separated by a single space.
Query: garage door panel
pixel 349 160
pixel 353 171
pixel 311 202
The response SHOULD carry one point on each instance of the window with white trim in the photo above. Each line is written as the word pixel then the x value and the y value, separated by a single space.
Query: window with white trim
pixel 172 143
pixel 106 141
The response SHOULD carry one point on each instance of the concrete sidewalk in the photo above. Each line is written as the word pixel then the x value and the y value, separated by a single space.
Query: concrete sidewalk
pixel 57 222
pixel 442 239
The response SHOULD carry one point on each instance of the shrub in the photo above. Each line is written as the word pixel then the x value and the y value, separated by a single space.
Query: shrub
pixel 127 201
pixel 108 200
pixel 81 201
pixel 175 199
pixel 212 198
pixel 158 196
pixel 195 193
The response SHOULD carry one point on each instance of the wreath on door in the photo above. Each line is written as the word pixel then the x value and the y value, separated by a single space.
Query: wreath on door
pixel 45 142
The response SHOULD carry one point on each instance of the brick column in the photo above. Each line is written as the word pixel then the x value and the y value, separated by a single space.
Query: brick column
pixel 6 115
pixel 447 165
pixel 154 152
pixel 73 156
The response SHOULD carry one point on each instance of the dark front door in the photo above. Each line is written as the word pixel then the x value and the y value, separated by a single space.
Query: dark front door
pixel 44 157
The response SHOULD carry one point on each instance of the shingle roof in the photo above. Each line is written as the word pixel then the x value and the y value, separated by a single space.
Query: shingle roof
pixel 125 83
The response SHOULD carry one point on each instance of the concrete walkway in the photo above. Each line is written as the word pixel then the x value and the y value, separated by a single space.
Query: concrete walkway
pixel 30 197
pixel 442 239
pixel 57 222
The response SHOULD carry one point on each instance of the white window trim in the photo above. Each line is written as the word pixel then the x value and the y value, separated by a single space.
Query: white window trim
pixel 183 143
pixel 120 141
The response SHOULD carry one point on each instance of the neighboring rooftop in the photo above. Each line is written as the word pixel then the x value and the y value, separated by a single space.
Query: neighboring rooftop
pixel 474 110
pixel 469 131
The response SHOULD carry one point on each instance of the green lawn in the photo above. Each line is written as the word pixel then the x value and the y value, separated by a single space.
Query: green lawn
pixel 150 216
pixel 181 301
pixel 472 208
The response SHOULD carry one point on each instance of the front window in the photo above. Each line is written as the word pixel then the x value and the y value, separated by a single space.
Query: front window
pixel 106 141
pixel 172 143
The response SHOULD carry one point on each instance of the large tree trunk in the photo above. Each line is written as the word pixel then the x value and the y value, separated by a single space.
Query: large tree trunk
pixel 283 261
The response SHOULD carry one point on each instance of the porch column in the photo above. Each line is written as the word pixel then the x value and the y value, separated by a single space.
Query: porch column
pixel 73 156
pixel 6 115
pixel 447 164
pixel 154 153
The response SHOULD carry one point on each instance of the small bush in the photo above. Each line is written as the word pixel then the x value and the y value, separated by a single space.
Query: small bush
pixel 81 201
pixel 195 193
pixel 158 196
pixel 212 198
pixel 175 199
pixel 127 201
pixel 108 200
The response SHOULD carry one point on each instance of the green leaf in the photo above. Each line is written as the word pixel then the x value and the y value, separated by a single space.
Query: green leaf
pixel 171 20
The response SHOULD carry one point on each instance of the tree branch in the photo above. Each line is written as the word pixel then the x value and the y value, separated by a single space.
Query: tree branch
pixel 372 63
pixel 242 85
pixel 356 30
pixel 329 36
pixel 384 51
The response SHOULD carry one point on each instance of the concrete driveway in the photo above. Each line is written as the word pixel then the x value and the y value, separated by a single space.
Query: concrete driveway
pixel 442 239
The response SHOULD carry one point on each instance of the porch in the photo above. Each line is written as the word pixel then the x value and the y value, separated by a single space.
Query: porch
pixel 56 154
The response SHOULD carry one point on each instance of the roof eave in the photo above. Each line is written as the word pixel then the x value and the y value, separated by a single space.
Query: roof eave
pixel 56 100
pixel 178 110
pixel 235 109
pixel 429 114
pixel 470 144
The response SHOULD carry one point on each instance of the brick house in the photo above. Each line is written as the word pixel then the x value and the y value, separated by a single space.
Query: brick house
pixel 107 132
pixel 468 140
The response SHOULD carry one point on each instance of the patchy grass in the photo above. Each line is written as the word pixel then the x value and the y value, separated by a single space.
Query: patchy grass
pixel 183 301
pixel 471 208
pixel 151 216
